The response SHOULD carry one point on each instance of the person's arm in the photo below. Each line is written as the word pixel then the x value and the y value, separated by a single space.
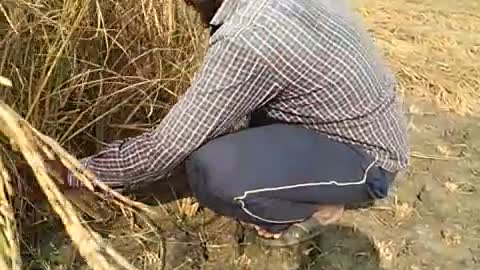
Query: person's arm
pixel 231 84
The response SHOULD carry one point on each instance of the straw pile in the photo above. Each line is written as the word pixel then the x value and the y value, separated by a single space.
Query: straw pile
pixel 34 146
pixel 83 73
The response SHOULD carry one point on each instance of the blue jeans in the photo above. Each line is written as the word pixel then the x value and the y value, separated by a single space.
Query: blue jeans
pixel 278 174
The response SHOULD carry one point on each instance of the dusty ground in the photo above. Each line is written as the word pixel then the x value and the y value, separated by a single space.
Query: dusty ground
pixel 430 220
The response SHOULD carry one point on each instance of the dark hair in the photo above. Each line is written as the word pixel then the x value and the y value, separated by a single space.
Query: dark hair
pixel 206 8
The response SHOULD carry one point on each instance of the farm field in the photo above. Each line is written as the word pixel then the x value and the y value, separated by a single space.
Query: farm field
pixel 429 221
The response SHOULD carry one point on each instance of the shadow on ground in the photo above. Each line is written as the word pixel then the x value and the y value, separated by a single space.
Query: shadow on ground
pixel 208 241
pixel 166 191
pixel 339 248
pixel 344 248
pixel 428 221
pixel 227 245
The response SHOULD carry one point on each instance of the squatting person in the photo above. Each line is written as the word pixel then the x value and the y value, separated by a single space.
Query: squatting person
pixel 324 128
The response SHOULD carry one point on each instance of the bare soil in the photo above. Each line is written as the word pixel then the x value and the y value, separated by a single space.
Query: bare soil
pixel 429 221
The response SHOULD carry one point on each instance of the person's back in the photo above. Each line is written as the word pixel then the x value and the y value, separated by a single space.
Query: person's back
pixel 328 70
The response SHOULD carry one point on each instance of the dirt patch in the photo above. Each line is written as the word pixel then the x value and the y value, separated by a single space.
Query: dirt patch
pixel 429 221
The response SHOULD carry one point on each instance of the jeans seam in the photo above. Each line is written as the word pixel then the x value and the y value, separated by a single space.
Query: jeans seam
pixel 241 198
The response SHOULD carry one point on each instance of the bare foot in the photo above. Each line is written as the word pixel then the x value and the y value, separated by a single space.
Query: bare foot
pixel 326 214
pixel 264 233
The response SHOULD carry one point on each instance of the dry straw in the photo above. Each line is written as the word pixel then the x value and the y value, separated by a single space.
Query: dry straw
pixel 9 248
pixel 434 47
pixel 97 253
pixel 72 67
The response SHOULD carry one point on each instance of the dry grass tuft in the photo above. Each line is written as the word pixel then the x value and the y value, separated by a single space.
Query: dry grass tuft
pixel 33 147
pixel 459 187
pixel 243 262
pixel 188 207
pixel 83 74
pixel 9 244
pixel 402 211
pixel 87 73
pixel 386 252
pixel 450 237
pixel 434 46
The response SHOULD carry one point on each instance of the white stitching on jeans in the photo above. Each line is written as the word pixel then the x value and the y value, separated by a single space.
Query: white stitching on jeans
pixel 241 199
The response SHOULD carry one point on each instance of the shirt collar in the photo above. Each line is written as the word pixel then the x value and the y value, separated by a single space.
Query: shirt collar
pixel 224 12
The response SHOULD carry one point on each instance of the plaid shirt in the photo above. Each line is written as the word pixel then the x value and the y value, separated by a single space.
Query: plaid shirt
pixel 301 61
